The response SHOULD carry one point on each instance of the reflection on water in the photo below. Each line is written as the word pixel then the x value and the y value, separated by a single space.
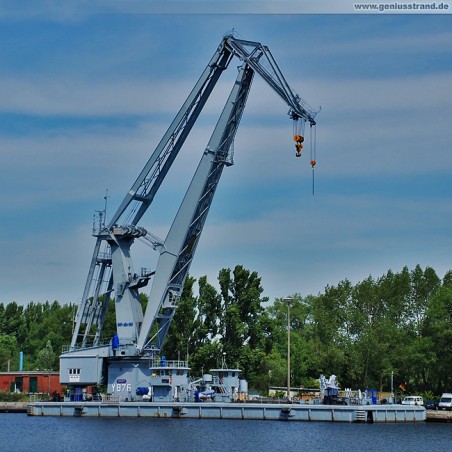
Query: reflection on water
pixel 22 433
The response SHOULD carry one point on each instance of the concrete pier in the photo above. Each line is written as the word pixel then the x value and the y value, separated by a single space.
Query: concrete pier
pixel 13 407
pixel 439 416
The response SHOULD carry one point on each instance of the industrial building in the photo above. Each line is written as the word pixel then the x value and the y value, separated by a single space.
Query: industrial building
pixel 31 382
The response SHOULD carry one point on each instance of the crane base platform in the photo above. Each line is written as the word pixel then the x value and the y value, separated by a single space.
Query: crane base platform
pixel 239 410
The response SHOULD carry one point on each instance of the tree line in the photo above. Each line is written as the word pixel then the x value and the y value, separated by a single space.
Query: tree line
pixel 398 325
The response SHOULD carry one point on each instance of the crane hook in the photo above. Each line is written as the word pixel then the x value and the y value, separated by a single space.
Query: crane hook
pixel 298 144
pixel 298 131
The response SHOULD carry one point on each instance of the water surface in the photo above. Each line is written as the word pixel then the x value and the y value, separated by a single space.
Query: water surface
pixel 19 432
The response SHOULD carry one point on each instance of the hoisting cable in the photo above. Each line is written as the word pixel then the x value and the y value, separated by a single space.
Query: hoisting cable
pixel 312 143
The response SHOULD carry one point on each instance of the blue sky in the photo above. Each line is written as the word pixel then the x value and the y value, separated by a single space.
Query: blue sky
pixel 85 97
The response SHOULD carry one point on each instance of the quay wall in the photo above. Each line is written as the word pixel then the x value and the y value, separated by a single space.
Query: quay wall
pixel 13 407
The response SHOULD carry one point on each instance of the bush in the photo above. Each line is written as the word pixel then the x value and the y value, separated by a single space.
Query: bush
pixel 13 397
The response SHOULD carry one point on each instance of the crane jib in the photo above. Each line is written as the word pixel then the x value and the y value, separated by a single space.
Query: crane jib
pixel 111 276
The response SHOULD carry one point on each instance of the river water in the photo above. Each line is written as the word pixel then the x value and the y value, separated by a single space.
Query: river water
pixel 19 432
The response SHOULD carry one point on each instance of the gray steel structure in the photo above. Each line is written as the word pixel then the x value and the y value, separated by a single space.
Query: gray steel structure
pixel 246 411
pixel 111 274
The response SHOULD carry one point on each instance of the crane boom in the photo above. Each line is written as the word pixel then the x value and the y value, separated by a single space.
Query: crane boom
pixel 111 274
pixel 180 244
pixel 273 75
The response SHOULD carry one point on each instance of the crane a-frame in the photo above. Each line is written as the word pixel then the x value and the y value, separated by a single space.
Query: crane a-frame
pixel 112 277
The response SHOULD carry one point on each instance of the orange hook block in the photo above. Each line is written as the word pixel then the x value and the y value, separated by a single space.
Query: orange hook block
pixel 313 162
pixel 298 138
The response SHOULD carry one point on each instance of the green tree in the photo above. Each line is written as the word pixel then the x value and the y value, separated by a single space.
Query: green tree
pixel 9 353
pixel 182 325
pixel 12 319
pixel 438 330
pixel 423 285
pixel 230 324
pixel 46 359
pixel 209 314
pixel 241 292
pixel 447 280
pixel 332 326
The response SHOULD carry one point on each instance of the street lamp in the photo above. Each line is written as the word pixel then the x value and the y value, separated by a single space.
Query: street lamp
pixel 288 299
pixel 223 363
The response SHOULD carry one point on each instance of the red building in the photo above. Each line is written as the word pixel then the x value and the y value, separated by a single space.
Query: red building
pixel 31 382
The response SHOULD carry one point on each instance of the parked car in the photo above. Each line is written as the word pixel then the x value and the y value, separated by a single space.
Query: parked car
pixel 446 402
pixel 431 405
pixel 413 400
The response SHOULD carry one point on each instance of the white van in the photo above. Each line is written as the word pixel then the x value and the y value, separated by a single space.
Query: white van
pixel 446 402
pixel 413 400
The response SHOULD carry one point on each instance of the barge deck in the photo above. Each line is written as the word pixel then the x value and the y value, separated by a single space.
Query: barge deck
pixel 245 411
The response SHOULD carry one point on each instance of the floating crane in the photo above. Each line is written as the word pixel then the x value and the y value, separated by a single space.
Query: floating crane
pixel 112 277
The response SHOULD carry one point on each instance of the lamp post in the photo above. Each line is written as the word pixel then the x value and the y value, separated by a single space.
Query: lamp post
pixel 188 341
pixel 288 299
pixel 223 363
pixel 392 386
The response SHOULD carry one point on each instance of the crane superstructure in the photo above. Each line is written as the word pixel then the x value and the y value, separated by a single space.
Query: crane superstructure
pixel 111 276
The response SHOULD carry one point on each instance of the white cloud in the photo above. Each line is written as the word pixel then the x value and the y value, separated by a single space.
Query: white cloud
pixel 91 131
pixel 46 267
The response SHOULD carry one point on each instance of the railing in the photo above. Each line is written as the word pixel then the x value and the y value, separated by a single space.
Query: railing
pixel 109 398
pixel 67 348
pixel 158 362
